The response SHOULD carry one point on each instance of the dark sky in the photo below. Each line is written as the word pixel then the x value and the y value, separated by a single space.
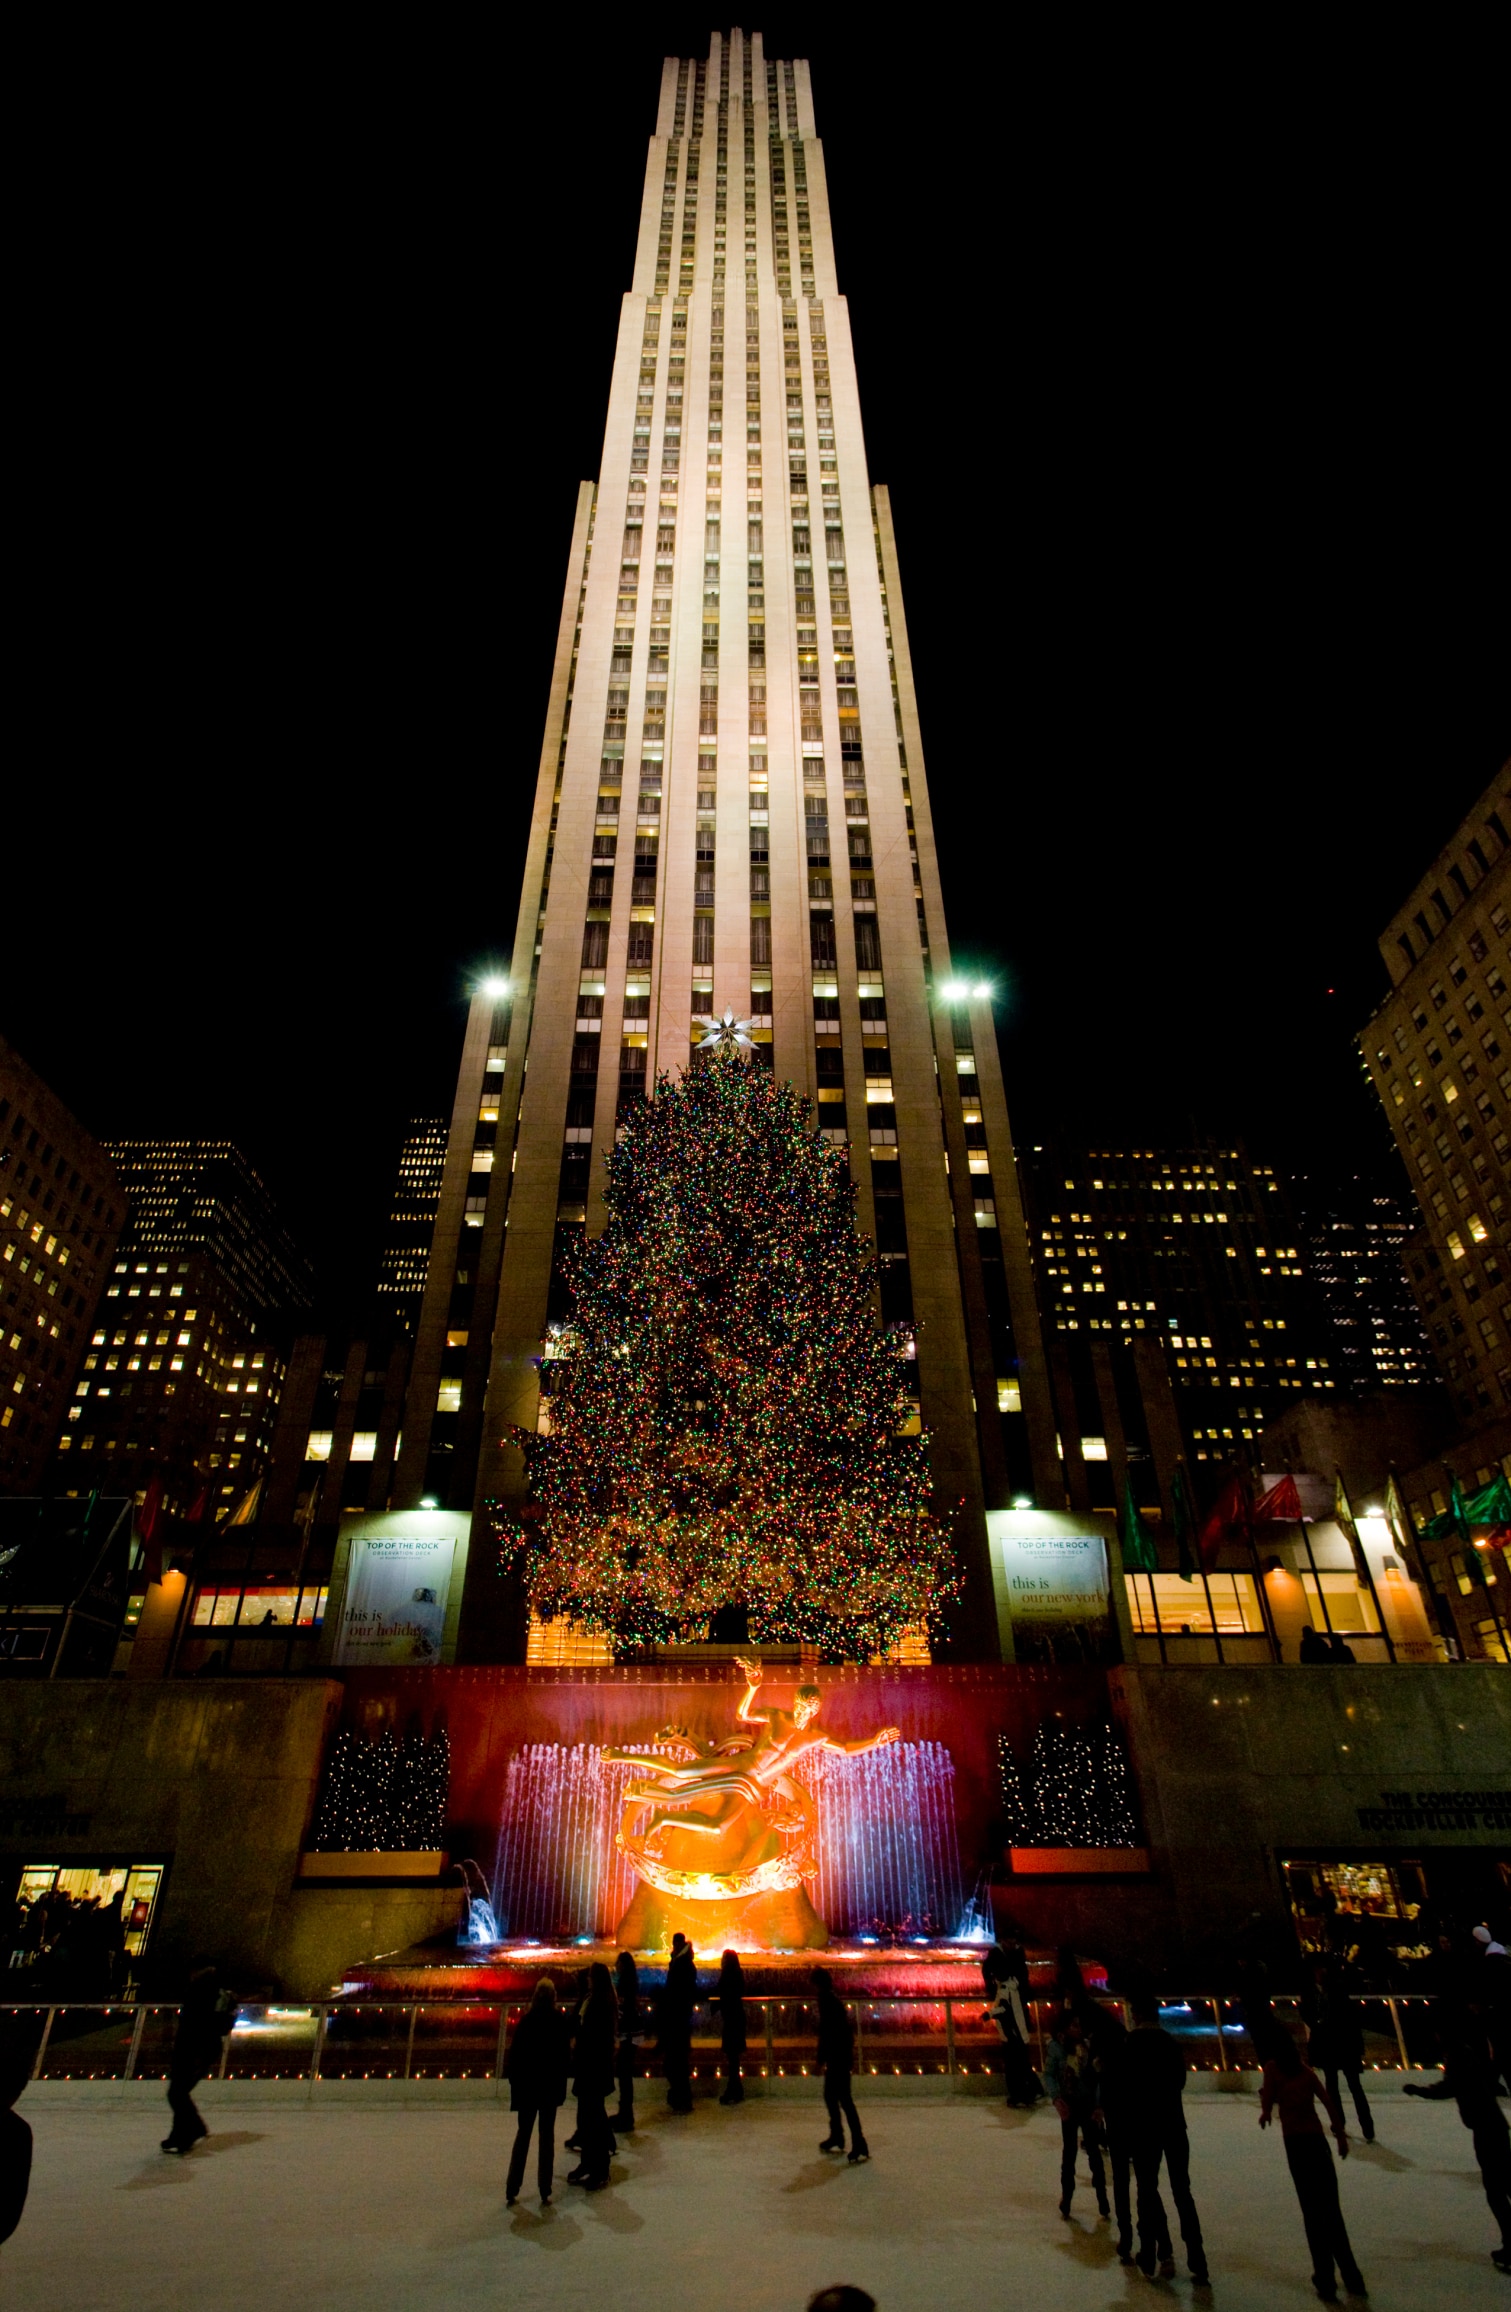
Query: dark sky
pixel 1182 367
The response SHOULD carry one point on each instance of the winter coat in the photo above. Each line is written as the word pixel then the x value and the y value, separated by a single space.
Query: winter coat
pixel 836 2034
pixel 594 2072
pixel 538 2060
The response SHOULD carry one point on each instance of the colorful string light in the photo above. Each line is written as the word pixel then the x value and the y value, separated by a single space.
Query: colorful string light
pixel 724 1408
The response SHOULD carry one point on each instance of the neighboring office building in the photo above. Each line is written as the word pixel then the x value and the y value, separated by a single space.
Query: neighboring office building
pixel 260 1589
pixel 61 1206
pixel 1438 1052
pixel 1355 1238
pixel 186 1363
pixel 404 1262
pixel 1196 1254
pixel 732 812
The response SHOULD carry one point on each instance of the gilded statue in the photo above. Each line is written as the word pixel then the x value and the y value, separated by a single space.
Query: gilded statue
pixel 725 1834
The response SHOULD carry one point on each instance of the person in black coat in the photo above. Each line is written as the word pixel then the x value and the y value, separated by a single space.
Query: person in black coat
pixel 1335 2039
pixel 1150 2083
pixel 536 2069
pixel 729 1999
pixel 593 2077
pixel 627 1994
pixel 674 2024
pixel 15 2143
pixel 836 2056
pixel 204 2018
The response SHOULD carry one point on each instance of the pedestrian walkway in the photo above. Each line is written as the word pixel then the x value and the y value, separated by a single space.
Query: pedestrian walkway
pixel 727 2211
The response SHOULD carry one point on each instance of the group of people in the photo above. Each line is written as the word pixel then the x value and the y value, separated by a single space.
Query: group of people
pixel 75 1944
pixel 1324 1646
pixel 591 2048
pixel 1117 2090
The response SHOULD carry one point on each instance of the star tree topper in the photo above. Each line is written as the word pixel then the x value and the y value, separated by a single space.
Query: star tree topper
pixel 724 1032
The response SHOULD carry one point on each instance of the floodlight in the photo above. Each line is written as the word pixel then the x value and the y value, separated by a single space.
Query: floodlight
pixel 429 1501
pixel 954 991
pixel 981 990
pixel 493 986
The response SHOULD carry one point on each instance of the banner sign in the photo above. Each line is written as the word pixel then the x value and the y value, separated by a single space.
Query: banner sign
pixel 396 1591
pixel 1053 1577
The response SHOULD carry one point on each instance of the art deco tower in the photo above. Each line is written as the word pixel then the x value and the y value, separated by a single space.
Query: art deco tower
pixel 732 812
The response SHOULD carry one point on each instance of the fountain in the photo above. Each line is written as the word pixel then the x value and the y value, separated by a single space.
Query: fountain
pixel 887 1849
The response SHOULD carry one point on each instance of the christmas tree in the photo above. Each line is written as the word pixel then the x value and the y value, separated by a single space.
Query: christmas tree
pixel 1019 1825
pixel 724 1422
pixel 408 1811
pixel 1058 1800
pixel 1119 1813
pixel 333 1821
pixel 436 1788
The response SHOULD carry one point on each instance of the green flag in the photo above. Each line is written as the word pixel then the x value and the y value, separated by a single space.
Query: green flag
pixel 1139 1552
pixel 1185 1523
pixel 1491 1505
pixel 1343 1516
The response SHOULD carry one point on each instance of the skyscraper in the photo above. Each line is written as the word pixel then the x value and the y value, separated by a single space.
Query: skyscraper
pixel 732 814
pixel 1438 1051
pixel 185 1365
pixel 405 1257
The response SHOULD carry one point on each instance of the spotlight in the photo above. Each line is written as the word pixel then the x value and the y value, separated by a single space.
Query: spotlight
pixel 1022 1501
pixel 954 991
pixel 982 990
pixel 493 986
pixel 429 1501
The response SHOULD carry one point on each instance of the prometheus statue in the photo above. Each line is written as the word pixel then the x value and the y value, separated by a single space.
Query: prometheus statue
pixel 725 1837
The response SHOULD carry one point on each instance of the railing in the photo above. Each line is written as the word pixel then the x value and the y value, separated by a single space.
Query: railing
pixel 469 2039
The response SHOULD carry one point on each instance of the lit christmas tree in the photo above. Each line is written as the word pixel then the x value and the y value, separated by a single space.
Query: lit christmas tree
pixel 1079 1769
pixel 724 1423
pixel 436 1788
pixel 1019 1825
pixel 333 1816
pixel 1057 1802
pixel 1118 1810
pixel 408 1809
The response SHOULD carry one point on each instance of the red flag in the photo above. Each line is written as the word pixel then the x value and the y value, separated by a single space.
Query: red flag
pixel 194 1514
pixel 1280 1506
pixel 1226 1520
pixel 149 1527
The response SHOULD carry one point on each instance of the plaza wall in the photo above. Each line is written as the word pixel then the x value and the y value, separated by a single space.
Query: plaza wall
pixel 1235 1767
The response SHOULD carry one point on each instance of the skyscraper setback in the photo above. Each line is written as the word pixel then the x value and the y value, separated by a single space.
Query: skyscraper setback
pixel 732 815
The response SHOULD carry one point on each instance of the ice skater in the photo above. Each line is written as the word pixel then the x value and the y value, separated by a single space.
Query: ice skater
pixel 836 2055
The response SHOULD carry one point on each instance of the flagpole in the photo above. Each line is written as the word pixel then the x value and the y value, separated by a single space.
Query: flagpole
pixel 1352 1535
pixel 1263 1595
pixel 1202 1565
pixel 1311 1559
pixel 1472 1555
pixel 1442 1611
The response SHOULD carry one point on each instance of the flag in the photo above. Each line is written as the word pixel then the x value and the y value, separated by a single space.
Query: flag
pixel 1492 1504
pixel 149 1527
pixel 195 1513
pixel 1398 1518
pixel 245 1511
pixel 1343 1515
pixel 1185 1523
pixel 1139 1552
pixel 1452 1524
pixel 1280 1506
pixel 1226 1520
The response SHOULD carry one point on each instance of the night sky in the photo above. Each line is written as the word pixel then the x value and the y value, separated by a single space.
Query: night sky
pixel 1182 369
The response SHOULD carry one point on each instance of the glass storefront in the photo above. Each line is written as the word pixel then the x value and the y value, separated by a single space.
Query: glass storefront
pixel 57 1903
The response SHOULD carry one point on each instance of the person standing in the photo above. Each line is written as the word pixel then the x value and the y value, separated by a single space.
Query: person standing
pixel 1151 2083
pixel 1108 2036
pixel 627 1994
pixel 1293 2089
pixel 729 1998
pixel 836 2056
pixel 536 2069
pixel 1006 1972
pixel 1071 2081
pixel 1472 2073
pixel 15 2143
pixel 204 2019
pixel 593 2076
pixel 674 2024
pixel 1335 2040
